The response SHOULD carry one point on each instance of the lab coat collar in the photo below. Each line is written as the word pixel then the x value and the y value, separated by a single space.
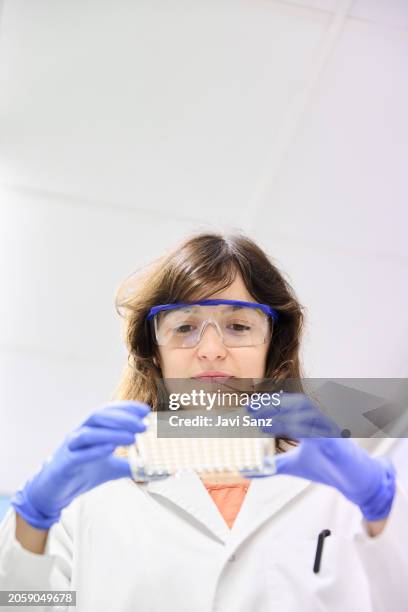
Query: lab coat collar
pixel 265 498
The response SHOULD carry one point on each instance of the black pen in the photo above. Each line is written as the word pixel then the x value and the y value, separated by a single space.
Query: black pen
pixel 319 550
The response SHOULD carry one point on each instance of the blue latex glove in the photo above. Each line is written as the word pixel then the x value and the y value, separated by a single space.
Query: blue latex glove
pixel 327 458
pixel 83 461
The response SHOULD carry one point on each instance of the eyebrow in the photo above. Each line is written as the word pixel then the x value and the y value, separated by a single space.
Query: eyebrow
pixel 193 307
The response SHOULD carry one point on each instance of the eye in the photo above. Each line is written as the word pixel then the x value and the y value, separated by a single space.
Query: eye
pixel 183 329
pixel 238 327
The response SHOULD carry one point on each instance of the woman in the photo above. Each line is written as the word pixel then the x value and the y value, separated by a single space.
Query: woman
pixel 81 523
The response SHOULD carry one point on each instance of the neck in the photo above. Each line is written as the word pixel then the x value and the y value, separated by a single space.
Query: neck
pixel 223 477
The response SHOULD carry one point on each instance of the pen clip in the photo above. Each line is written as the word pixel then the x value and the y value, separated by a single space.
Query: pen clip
pixel 319 550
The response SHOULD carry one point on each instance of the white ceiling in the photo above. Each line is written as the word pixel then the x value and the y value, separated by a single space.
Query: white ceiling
pixel 182 114
pixel 343 179
pixel 383 12
pixel 145 104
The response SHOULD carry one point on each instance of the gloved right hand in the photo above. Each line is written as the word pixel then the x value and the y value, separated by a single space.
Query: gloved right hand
pixel 83 461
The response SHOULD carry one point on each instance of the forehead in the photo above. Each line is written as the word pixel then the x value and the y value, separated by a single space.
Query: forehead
pixel 235 291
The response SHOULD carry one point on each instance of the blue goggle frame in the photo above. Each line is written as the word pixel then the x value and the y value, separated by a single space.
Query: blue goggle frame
pixel 264 307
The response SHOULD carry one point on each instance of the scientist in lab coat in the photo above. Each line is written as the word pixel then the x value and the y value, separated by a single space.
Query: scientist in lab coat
pixel 81 523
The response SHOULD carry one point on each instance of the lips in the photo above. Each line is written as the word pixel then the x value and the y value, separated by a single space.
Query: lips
pixel 213 376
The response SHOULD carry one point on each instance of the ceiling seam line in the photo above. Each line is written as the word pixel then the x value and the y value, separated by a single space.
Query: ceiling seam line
pixel 68 200
pixel 293 118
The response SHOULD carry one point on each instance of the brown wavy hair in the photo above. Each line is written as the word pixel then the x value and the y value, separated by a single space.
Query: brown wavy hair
pixel 197 267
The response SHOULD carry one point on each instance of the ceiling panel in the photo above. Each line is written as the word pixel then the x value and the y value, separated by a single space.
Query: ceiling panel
pixel 61 263
pixel 350 298
pixel 160 105
pixel 343 181
pixel 384 12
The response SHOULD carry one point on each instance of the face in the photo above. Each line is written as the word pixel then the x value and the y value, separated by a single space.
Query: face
pixel 211 355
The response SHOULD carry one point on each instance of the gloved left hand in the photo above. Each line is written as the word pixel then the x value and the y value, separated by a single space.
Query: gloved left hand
pixel 328 458
pixel 83 461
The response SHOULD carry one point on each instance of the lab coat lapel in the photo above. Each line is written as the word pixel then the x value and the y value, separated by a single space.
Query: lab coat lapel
pixel 186 490
pixel 265 497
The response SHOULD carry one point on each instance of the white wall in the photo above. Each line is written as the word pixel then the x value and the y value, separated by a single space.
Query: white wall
pixel 125 125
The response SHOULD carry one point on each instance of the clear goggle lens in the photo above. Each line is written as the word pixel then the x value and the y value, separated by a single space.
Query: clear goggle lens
pixel 237 326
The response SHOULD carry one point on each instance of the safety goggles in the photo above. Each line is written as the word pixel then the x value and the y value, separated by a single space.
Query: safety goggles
pixel 238 323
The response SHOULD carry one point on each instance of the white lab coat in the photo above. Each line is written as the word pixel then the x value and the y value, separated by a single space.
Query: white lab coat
pixel 164 547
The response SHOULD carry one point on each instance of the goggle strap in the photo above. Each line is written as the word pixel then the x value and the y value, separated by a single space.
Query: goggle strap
pixel 263 307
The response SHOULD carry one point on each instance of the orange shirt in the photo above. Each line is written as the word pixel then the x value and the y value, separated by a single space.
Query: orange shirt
pixel 228 498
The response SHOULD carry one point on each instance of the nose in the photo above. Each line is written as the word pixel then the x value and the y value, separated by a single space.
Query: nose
pixel 211 346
